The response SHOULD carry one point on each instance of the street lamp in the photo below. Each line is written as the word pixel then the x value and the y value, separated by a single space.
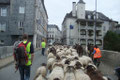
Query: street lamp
pixel 95 19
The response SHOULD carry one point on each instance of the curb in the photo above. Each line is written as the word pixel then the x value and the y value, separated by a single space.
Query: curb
pixel 6 65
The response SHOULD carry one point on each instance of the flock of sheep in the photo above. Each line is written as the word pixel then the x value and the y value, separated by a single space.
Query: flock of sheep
pixel 64 63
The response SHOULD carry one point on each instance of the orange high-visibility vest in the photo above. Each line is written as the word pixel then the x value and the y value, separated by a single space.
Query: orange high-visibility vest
pixel 97 53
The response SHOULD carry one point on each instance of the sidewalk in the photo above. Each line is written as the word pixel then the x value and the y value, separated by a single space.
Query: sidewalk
pixel 6 61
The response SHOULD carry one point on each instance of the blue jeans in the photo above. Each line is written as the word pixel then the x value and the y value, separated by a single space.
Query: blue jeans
pixel 43 51
pixel 24 72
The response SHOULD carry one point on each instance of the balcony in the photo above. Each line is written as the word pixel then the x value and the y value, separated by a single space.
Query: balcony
pixel 4 2
pixel 90 37
pixel 90 27
pixel 83 41
pixel 99 42
pixel 90 41
pixel 82 36
pixel 82 27
pixel 98 28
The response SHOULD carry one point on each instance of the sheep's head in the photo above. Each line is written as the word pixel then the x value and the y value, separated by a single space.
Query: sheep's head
pixel 78 65
pixel 90 68
pixel 70 69
pixel 43 64
pixel 76 58
pixel 58 58
pixel 67 62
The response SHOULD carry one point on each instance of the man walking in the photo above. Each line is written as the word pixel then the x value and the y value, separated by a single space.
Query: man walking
pixel 24 69
pixel 43 45
pixel 97 55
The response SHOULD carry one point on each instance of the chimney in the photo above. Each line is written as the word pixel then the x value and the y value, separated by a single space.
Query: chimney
pixel 74 9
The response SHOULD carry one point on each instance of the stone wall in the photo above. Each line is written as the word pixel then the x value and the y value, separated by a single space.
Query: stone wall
pixel 110 61
pixel 6 51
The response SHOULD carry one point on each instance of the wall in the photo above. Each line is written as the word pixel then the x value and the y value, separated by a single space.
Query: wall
pixel 6 51
pixel 110 61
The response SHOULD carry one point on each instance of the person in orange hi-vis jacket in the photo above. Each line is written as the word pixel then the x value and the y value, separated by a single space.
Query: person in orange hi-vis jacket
pixel 97 56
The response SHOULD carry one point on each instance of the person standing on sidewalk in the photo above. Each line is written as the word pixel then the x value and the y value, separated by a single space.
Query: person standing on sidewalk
pixel 97 56
pixel 25 69
pixel 43 45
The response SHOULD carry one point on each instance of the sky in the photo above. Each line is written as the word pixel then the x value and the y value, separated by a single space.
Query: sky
pixel 57 9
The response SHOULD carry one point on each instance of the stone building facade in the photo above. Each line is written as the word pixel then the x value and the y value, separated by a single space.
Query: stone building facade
pixel 24 16
pixel 54 34
pixel 83 25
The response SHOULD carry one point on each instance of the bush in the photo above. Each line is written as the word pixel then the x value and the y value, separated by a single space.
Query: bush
pixel 112 41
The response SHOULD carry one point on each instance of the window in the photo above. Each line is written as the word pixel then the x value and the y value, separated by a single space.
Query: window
pixel 3 11
pixel 20 24
pixel 1 41
pixel 89 17
pixel 3 27
pixel 104 28
pixel 21 10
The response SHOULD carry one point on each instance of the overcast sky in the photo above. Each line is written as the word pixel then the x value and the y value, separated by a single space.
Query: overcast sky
pixel 57 9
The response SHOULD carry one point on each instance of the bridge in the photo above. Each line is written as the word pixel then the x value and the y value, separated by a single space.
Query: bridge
pixel 110 61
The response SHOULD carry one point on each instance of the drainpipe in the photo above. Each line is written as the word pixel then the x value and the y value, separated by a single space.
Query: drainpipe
pixel 35 27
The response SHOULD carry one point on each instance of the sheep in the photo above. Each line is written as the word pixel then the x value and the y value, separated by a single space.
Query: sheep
pixel 73 50
pixel 50 63
pixel 57 73
pixel 106 78
pixel 60 54
pixel 69 73
pixel 41 72
pixel 40 77
pixel 50 55
pixel 85 60
pixel 75 54
pixel 94 74
pixel 79 73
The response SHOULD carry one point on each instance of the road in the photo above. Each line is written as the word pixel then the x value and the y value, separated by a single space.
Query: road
pixel 8 73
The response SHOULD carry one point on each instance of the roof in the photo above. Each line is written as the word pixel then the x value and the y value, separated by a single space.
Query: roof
pixel 53 26
pixel 101 16
pixel 81 1
pixel 44 7
pixel 4 2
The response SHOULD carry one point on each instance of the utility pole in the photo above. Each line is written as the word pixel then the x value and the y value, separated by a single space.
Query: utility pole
pixel 95 19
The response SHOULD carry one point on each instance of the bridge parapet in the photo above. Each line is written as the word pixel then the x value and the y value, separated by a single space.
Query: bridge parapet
pixel 6 51
pixel 110 60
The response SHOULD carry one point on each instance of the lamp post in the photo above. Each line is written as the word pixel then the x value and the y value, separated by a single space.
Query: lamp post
pixel 95 19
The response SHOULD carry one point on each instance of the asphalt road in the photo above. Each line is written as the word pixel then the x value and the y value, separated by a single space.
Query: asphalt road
pixel 8 73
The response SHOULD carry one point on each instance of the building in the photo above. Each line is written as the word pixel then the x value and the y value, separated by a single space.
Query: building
pixel 117 29
pixel 54 34
pixel 79 26
pixel 4 22
pixel 24 16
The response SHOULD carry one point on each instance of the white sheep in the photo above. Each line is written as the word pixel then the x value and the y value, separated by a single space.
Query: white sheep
pixel 50 55
pixel 80 75
pixel 50 62
pixel 40 77
pixel 41 72
pixel 69 73
pixel 57 73
pixel 85 60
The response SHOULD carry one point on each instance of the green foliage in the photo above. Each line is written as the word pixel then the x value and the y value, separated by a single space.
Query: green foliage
pixel 112 41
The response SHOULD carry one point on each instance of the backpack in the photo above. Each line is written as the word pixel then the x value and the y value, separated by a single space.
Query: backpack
pixel 20 54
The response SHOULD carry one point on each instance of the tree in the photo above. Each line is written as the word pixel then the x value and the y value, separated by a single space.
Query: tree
pixel 112 41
